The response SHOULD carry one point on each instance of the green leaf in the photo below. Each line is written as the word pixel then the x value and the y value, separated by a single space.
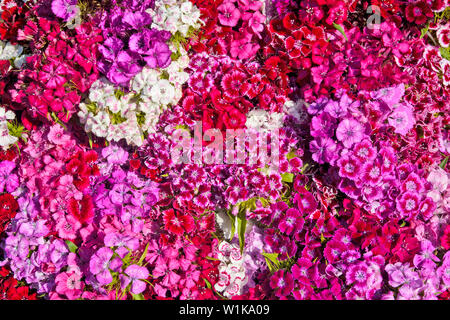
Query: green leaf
pixel 211 258
pixel 233 224
pixel 138 296
pixel 143 255
pixel 118 93
pixel 271 256
pixel 72 246
pixel 291 155
pixel 424 30
pixel 242 226
pixel 272 261
pixel 287 177
pixel 340 29
pixel 445 53
pixel 444 162
pixel 208 284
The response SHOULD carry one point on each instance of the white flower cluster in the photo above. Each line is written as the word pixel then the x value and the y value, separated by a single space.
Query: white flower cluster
pixel 175 15
pixel 232 275
pixel 128 117
pixel 6 140
pixel 260 119
pixel 297 110
pixel 13 53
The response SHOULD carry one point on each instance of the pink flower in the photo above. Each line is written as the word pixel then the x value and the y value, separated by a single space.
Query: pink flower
pixel 402 119
pixel 57 135
pixel 67 226
pixel 243 48
pixel 228 14
pixel 69 284
pixel 255 21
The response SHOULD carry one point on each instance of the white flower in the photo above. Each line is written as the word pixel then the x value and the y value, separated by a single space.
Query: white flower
pixel 163 92
pixel 19 61
pixel 6 139
pixel 6 115
pixel 9 51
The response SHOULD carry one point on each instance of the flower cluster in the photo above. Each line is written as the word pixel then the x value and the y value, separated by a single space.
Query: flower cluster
pixel 225 149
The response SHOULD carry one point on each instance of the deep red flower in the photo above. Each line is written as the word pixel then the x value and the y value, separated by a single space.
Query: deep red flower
pixel 82 210
pixel 8 206
pixel 177 223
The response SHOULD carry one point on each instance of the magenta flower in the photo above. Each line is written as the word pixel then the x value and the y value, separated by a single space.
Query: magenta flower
pixel 282 282
pixel 158 56
pixel 292 221
pixel 99 265
pixel 349 167
pixel 371 173
pixel 8 180
pixel 408 204
pixel 358 275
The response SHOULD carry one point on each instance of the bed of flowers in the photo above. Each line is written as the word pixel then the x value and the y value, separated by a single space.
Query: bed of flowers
pixel 95 94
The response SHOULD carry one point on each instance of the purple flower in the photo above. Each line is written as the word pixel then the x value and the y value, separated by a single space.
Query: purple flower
pixel 33 229
pixel 110 48
pixel 349 132
pixel 317 106
pixel 124 68
pixel 119 194
pixel 137 20
pixel 16 247
pixel 138 5
pixel 133 276
pixel 323 125
pixel 324 150
pixel 159 55
pixel 99 265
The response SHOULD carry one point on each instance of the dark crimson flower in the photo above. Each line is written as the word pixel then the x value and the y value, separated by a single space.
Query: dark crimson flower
pixel 445 239
pixel 291 22
pixel 418 12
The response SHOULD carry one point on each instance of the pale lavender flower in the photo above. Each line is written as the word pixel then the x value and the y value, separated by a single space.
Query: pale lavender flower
pixel 133 276
pixel 349 132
